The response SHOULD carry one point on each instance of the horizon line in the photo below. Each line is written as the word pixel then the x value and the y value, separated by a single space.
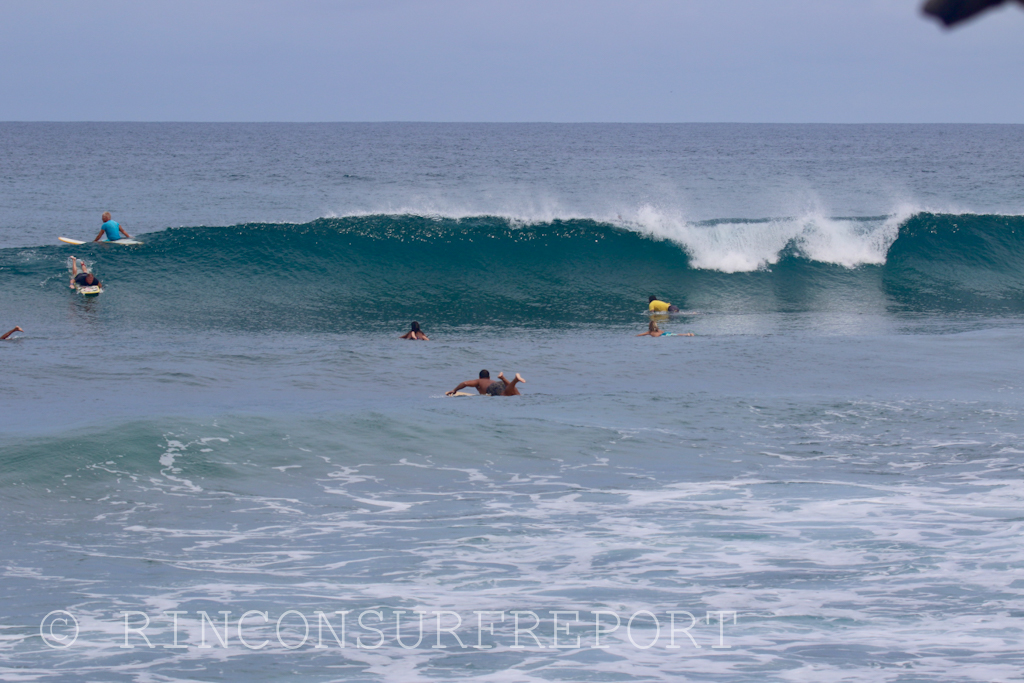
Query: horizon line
pixel 527 123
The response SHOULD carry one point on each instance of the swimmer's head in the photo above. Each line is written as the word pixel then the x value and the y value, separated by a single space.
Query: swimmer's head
pixel 89 279
pixel 652 298
pixel 415 326
pixel 653 327
pixel 105 216
pixel 484 374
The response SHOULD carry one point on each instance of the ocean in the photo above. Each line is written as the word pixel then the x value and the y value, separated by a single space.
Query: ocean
pixel 229 467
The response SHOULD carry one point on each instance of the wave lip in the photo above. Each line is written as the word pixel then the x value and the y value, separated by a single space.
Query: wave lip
pixel 744 245
pixel 724 245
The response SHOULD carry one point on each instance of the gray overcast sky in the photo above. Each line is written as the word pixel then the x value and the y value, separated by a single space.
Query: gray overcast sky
pixel 844 61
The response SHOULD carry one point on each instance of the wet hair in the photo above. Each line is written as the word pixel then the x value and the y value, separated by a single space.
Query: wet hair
pixel 105 216
pixel 88 277
pixel 652 298
pixel 653 327
pixel 484 374
pixel 415 326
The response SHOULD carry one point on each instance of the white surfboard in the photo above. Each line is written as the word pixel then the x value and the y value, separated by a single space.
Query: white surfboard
pixel 124 241
pixel 89 291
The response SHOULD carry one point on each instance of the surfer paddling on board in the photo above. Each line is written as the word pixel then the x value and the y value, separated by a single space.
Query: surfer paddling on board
pixel 16 329
pixel 83 279
pixel 656 305
pixel 654 331
pixel 112 229
pixel 490 387
pixel 415 333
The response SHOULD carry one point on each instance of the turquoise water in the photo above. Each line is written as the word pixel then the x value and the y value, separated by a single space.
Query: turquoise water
pixel 823 484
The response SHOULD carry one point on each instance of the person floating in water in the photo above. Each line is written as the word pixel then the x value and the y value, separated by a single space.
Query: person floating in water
pixel 16 329
pixel 415 333
pixel 654 331
pixel 112 229
pixel 490 387
pixel 83 279
pixel 658 306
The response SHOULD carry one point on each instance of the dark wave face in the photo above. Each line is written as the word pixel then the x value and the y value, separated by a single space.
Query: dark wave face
pixel 363 272
pixel 958 263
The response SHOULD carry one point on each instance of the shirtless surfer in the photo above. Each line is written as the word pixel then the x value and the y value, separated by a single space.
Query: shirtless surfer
pixel 112 229
pixel 415 333
pixel 490 387
pixel 654 331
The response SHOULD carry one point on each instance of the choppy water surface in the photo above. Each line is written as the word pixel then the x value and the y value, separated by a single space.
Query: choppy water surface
pixel 823 484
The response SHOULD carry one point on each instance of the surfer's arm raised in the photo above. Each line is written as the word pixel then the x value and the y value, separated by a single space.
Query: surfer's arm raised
pixel 16 329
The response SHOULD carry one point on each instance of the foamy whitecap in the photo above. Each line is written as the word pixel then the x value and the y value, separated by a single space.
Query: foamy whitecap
pixel 742 246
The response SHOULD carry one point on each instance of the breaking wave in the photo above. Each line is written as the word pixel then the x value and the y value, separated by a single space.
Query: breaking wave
pixel 335 273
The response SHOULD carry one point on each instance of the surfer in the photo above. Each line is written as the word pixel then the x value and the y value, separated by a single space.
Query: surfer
pixel 112 229
pixel 16 329
pixel 83 279
pixel 656 305
pixel 490 387
pixel 415 333
pixel 654 331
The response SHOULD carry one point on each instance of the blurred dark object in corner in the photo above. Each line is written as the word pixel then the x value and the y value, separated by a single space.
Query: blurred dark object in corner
pixel 951 12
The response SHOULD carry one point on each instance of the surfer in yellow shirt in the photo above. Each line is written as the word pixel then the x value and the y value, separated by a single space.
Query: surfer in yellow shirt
pixel 655 305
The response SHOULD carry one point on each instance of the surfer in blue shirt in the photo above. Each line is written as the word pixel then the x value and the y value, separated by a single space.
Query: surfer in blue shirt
pixel 112 229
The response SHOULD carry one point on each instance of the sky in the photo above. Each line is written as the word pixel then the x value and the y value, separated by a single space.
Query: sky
pixel 771 61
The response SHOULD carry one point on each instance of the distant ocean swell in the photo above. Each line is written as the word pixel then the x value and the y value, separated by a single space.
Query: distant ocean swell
pixel 364 271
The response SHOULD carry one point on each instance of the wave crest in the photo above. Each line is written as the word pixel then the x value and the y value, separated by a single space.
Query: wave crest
pixel 738 245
